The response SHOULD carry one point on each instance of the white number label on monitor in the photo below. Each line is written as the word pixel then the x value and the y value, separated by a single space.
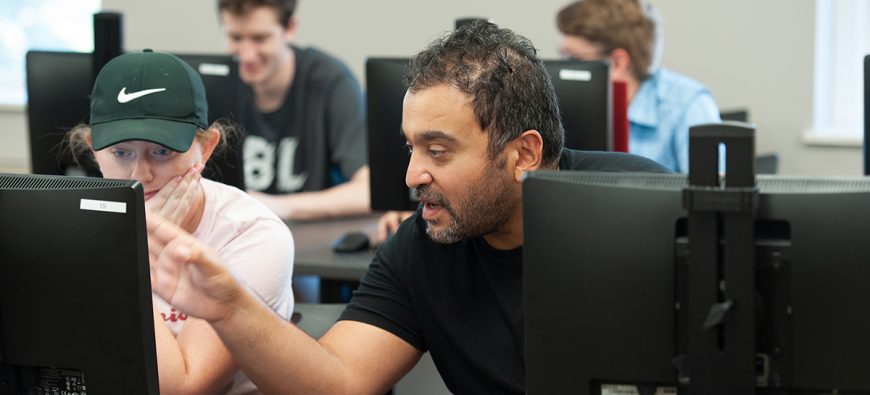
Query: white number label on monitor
pixel 575 75
pixel 103 205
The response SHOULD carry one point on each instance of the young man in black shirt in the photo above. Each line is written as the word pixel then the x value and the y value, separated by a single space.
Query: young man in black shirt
pixel 303 116
pixel 479 113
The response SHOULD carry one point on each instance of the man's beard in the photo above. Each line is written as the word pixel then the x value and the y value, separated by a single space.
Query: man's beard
pixel 482 210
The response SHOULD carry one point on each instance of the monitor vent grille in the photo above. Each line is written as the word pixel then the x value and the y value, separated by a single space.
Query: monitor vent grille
pixel 777 184
pixel 29 181
pixel 629 180
pixel 789 184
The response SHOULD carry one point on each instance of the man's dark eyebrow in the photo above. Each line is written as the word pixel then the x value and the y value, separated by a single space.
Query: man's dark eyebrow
pixel 430 136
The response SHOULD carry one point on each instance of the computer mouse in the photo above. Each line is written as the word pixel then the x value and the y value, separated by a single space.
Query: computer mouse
pixel 352 241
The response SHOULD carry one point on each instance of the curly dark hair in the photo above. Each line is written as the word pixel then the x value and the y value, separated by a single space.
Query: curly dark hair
pixel 509 84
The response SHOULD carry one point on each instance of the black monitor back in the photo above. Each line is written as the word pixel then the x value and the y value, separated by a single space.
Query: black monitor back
pixel 605 254
pixel 220 75
pixel 59 87
pixel 585 98
pixel 583 89
pixel 739 115
pixel 866 114
pixel 58 98
pixel 388 156
pixel 75 290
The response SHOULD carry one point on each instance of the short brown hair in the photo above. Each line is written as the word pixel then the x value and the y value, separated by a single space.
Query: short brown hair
pixel 613 24
pixel 283 8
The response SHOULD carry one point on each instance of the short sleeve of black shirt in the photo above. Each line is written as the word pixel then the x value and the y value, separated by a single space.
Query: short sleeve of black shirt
pixel 384 300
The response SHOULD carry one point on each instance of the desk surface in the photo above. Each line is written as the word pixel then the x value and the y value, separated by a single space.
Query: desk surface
pixel 314 255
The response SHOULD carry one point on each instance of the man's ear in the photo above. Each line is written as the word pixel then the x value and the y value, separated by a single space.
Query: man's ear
pixel 528 148
pixel 620 63
pixel 290 29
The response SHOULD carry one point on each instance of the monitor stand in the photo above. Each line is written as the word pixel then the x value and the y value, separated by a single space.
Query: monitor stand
pixel 721 276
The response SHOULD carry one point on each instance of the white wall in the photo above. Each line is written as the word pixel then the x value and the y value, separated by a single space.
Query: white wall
pixel 14 151
pixel 755 54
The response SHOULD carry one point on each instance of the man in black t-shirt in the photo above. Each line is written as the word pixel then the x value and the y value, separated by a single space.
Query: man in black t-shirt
pixel 302 112
pixel 479 113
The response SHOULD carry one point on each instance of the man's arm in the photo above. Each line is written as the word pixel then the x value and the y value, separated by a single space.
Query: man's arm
pixel 348 198
pixel 352 357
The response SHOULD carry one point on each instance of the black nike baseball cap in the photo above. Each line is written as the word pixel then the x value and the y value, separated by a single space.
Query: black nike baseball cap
pixel 151 96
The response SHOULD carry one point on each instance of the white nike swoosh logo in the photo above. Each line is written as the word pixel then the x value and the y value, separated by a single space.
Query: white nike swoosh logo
pixel 124 97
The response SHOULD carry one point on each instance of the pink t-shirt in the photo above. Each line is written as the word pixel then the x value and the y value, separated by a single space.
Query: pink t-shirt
pixel 257 247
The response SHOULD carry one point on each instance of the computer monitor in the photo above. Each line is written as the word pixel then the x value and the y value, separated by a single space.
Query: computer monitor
pixel 59 87
pixel 737 114
pixel 58 98
pixel 866 114
pixel 388 156
pixel 605 258
pixel 75 290
pixel 585 98
pixel 223 87
pixel 583 89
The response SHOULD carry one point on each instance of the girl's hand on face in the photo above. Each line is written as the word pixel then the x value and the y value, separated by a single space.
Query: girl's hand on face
pixel 175 199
